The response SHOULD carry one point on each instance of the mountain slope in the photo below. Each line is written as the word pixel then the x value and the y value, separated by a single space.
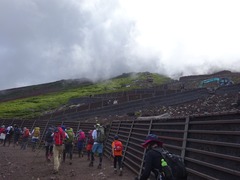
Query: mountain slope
pixel 32 101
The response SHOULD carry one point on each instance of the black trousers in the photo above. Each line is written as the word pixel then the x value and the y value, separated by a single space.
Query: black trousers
pixel 68 149
pixel 7 138
pixel 49 150
pixel 117 159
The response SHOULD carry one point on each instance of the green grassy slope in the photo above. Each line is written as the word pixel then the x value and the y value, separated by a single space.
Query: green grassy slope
pixel 34 106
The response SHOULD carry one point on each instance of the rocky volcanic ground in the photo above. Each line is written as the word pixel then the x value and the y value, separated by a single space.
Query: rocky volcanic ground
pixel 212 104
pixel 18 164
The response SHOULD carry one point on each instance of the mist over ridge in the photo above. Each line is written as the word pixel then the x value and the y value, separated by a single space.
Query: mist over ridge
pixel 46 41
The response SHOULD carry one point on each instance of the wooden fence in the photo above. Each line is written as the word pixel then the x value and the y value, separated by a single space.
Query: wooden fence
pixel 210 145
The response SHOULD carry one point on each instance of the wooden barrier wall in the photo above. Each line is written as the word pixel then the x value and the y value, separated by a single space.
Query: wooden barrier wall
pixel 210 145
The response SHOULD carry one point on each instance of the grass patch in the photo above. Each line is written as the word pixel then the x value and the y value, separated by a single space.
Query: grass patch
pixel 34 106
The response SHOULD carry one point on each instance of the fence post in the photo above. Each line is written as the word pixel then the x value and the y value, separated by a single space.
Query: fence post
pixel 43 134
pixel 141 167
pixel 22 123
pixel 124 152
pixel 119 124
pixel 79 124
pixel 108 132
pixel 185 137
pixel 33 125
pixel 3 121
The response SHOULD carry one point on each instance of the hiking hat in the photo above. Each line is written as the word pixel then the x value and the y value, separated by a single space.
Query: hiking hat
pixel 152 138
pixel 97 125
pixel 116 137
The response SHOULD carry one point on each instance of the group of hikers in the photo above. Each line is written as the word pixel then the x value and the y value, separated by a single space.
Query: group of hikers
pixel 163 164
pixel 15 132
pixel 60 141
pixel 63 140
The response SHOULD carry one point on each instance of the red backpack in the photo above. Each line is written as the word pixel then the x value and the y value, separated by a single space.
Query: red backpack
pixel 59 136
pixel 81 136
pixel 118 146
pixel 90 139
pixel 26 133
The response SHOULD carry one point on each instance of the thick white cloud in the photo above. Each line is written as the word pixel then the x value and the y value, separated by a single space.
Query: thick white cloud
pixel 43 41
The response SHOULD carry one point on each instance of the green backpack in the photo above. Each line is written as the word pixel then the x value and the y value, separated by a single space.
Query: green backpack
pixel 70 134
pixel 101 134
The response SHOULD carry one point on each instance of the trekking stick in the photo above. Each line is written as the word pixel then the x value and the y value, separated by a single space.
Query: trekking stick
pixel 36 155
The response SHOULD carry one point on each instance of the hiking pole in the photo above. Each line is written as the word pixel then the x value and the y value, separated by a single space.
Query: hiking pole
pixel 36 155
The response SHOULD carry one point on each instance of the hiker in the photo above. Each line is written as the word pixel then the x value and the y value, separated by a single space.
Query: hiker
pixel 117 149
pixel 80 142
pixel 69 141
pixel 2 134
pixel 16 135
pixel 99 137
pixel 35 137
pixel 89 145
pixel 152 157
pixel 59 135
pixel 49 144
pixel 9 133
pixel 25 137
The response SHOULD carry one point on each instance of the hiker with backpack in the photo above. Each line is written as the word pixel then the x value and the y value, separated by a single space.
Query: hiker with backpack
pixel 117 149
pixel 98 137
pixel 25 137
pixel 152 157
pixel 164 165
pixel 16 135
pixel 35 137
pixel 59 136
pixel 89 145
pixel 2 134
pixel 69 141
pixel 9 133
pixel 49 144
pixel 80 142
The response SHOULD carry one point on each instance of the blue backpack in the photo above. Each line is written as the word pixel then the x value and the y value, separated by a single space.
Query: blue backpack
pixel 48 136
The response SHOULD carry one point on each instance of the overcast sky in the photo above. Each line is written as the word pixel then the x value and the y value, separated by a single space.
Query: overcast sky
pixel 48 40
